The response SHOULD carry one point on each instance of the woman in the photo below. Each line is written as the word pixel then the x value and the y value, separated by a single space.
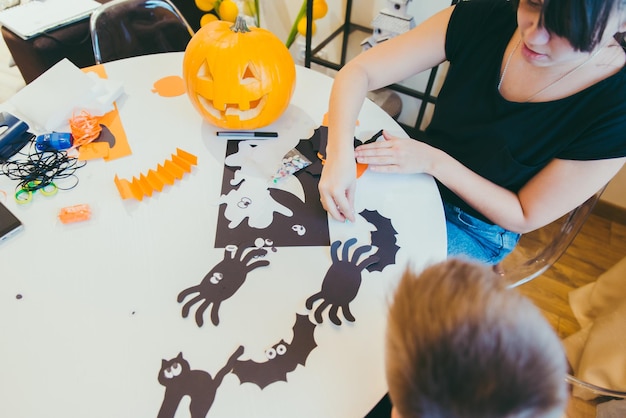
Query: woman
pixel 529 123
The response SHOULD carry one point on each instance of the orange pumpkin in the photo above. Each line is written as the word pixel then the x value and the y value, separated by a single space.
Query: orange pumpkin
pixel 238 78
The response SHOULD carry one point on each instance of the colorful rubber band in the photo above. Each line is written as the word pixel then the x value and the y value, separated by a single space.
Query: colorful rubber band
pixel 49 189
pixel 21 199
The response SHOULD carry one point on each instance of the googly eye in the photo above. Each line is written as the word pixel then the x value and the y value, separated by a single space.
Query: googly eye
pixel 269 242
pixel 244 202
pixel 217 276
pixel 232 249
pixel 176 369
pixel 281 349
pixel 299 229
pixel 270 353
pixel 172 371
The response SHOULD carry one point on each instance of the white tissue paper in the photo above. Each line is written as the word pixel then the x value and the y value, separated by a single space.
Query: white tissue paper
pixel 49 101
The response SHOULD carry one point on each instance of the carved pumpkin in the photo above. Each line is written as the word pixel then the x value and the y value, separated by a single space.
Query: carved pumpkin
pixel 238 78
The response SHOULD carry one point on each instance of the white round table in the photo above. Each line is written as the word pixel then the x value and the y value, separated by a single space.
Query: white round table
pixel 89 310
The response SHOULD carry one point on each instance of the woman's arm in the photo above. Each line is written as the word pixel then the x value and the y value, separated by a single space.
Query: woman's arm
pixel 394 60
pixel 555 190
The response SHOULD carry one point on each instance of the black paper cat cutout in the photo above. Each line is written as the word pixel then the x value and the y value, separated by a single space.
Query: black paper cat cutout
pixel 179 381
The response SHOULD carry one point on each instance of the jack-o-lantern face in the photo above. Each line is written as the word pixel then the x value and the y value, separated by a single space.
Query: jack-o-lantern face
pixel 238 78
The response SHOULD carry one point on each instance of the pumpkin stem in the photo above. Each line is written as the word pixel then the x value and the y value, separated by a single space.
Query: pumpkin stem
pixel 240 25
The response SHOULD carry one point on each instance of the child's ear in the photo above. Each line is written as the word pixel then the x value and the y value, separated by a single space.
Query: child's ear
pixel 395 413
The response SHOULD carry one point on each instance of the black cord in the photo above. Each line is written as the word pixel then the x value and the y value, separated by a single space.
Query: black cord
pixel 41 168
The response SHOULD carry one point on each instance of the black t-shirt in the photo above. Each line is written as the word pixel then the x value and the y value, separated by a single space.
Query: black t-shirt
pixel 508 142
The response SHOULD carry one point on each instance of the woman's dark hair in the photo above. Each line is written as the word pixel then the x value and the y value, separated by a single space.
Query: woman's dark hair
pixel 581 22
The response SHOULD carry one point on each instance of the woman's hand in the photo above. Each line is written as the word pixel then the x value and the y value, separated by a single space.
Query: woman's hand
pixel 337 187
pixel 396 155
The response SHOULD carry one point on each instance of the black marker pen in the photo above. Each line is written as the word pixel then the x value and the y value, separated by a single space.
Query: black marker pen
pixel 251 134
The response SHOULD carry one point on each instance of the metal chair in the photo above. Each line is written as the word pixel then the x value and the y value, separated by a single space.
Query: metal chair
pixel 129 28
pixel 539 250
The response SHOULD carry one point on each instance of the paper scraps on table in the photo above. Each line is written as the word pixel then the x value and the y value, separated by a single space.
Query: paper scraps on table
pixel 118 145
pixel 48 102
pixel 170 86
pixel 155 180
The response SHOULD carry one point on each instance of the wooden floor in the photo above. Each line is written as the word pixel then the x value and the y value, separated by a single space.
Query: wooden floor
pixel 599 245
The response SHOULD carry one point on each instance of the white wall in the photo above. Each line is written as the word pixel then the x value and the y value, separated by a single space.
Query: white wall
pixel 278 15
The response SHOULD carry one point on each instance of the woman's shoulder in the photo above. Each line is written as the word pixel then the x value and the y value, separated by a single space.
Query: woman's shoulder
pixel 483 11
pixel 609 93
pixel 482 24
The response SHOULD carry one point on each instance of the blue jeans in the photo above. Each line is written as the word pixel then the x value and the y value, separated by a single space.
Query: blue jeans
pixel 474 239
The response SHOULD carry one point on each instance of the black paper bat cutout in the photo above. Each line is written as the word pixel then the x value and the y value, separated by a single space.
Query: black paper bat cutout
pixel 282 357
pixel 384 238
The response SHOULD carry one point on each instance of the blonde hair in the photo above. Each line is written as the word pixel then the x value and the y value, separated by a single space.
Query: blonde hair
pixel 460 345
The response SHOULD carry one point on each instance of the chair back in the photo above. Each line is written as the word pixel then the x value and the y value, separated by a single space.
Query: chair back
pixel 129 28
pixel 539 250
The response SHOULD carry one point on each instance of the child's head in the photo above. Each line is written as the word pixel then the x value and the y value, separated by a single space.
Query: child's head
pixel 462 345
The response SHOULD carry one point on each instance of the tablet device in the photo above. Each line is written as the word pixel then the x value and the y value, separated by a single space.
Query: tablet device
pixel 9 224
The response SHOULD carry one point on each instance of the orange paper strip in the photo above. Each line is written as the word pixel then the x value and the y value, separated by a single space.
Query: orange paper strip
pixel 155 182
pixel 181 163
pixel 165 174
pixel 145 186
pixel 123 188
pixel 190 158
pixel 167 177
pixel 175 170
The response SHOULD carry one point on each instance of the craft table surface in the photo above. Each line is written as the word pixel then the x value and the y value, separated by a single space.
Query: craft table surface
pixel 89 310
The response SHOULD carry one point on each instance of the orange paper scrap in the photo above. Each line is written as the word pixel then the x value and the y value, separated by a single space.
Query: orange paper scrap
pixel 94 150
pixel 165 174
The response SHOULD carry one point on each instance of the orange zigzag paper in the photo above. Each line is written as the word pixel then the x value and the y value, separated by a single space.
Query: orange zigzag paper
pixel 154 181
